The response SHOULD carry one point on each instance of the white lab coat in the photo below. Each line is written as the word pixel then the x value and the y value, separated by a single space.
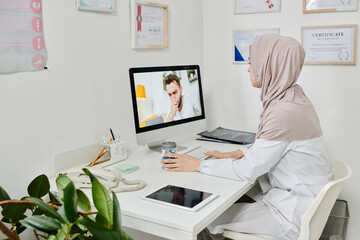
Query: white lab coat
pixel 297 171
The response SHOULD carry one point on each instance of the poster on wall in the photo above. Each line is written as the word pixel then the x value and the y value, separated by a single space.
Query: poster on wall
pixel 242 39
pixel 329 44
pixel 313 6
pixel 96 5
pixel 22 47
pixel 256 6
pixel 149 25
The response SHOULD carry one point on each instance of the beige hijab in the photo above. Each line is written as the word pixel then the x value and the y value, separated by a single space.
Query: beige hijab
pixel 287 114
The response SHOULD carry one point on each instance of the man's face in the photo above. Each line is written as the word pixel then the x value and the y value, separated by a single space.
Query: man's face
pixel 174 91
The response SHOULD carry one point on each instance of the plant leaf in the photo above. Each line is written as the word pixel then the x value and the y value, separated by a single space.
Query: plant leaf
pixel 42 223
pixel 116 215
pixel 99 232
pixel 70 205
pixel 39 187
pixel 101 220
pixel 101 198
pixel 61 235
pixel 83 201
pixel 54 199
pixel 61 182
pixel 61 211
pixel 15 212
pixel 46 209
pixel 3 195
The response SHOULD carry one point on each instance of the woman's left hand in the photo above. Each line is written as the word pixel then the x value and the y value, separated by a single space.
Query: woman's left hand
pixel 180 163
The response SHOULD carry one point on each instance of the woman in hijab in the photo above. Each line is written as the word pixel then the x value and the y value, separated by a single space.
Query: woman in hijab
pixel 289 148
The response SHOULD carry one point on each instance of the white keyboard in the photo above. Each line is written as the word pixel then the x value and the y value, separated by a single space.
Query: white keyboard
pixel 199 152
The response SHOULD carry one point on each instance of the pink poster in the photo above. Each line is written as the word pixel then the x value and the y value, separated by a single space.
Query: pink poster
pixel 22 45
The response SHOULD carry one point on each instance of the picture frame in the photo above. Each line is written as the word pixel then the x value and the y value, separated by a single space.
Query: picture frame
pixel 330 44
pixel 149 24
pixel 96 5
pixel 317 6
pixel 257 6
pixel 242 39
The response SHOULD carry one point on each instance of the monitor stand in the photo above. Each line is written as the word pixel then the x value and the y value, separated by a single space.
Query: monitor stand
pixel 156 146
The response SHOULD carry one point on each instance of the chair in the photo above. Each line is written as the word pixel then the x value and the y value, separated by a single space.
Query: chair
pixel 314 219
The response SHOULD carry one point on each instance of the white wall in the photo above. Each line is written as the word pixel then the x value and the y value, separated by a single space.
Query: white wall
pixel 332 89
pixel 86 89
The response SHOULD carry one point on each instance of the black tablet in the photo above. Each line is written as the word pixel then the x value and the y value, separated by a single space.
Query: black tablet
pixel 180 197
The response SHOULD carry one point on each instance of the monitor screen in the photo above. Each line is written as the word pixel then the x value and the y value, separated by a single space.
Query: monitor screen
pixel 165 97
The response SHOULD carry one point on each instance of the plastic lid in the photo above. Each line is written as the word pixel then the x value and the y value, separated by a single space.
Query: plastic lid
pixel 168 145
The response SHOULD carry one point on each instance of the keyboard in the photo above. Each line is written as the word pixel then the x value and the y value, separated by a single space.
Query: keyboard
pixel 199 152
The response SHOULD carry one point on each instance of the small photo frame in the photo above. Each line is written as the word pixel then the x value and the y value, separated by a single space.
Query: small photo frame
pixel 316 6
pixel 330 44
pixel 96 5
pixel 149 25
pixel 242 39
pixel 257 6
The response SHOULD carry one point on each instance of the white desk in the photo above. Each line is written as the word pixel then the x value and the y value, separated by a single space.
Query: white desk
pixel 169 222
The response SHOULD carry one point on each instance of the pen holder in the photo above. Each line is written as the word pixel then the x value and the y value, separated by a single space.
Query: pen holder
pixel 117 151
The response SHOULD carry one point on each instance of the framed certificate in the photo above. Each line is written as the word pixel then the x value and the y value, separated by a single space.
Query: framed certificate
pixel 96 5
pixel 242 39
pixel 256 6
pixel 149 25
pixel 312 6
pixel 329 44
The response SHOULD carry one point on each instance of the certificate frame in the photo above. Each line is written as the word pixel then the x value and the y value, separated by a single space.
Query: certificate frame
pixel 318 6
pixel 149 25
pixel 96 5
pixel 243 38
pixel 257 6
pixel 333 45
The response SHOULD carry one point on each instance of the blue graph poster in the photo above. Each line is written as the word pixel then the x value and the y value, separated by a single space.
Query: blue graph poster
pixel 242 41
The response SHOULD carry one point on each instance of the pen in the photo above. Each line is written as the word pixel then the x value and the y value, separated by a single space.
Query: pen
pixel 112 134
pixel 98 156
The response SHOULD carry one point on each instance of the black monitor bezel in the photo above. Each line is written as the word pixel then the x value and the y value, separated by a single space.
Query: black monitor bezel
pixel 132 71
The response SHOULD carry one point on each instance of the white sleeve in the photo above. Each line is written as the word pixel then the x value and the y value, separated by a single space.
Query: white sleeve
pixel 260 158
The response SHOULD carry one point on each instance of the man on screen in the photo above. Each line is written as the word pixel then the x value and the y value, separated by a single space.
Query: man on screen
pixel 182 106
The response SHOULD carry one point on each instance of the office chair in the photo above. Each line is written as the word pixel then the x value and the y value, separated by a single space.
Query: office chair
pixel 314 219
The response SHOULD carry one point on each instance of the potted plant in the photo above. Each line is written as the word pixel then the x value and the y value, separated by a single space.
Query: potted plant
pixel 60 219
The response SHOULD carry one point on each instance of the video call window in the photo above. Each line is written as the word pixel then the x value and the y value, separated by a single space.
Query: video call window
pixel 167 96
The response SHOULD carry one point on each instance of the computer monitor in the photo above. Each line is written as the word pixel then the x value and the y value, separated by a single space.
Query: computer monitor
pixel 167 102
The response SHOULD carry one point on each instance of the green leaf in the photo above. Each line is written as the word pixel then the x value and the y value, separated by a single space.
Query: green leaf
pixel 15 212
pixel 61 182
pixel 46 209
pixel 116 215
pixel 101 220
pixel 61 211
pixel 3 195
pixel 99 232
pixel 39 187
pixel 70 205
pixel 83 201
pixel 54 200
pixel 42 223
pixel 61 235
pixel 101 198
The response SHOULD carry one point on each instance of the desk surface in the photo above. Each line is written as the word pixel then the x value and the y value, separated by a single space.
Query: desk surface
pixel 170 222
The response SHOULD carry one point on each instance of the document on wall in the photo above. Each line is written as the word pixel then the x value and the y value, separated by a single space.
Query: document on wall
pixel 22 45
pixel 341 5
pixel 253 6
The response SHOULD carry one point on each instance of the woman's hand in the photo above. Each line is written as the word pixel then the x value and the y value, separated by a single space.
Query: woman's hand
pixel 234 154
pixel 180 163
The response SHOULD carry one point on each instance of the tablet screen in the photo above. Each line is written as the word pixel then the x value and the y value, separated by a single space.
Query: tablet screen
pixel 180 196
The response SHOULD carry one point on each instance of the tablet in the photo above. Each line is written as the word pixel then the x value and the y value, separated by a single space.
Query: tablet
pixel 180 197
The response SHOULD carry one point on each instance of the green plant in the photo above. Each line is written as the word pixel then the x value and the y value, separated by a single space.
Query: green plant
pixel 60 219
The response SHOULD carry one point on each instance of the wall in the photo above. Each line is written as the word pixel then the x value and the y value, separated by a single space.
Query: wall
pixel 85 90
pixel 332 89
